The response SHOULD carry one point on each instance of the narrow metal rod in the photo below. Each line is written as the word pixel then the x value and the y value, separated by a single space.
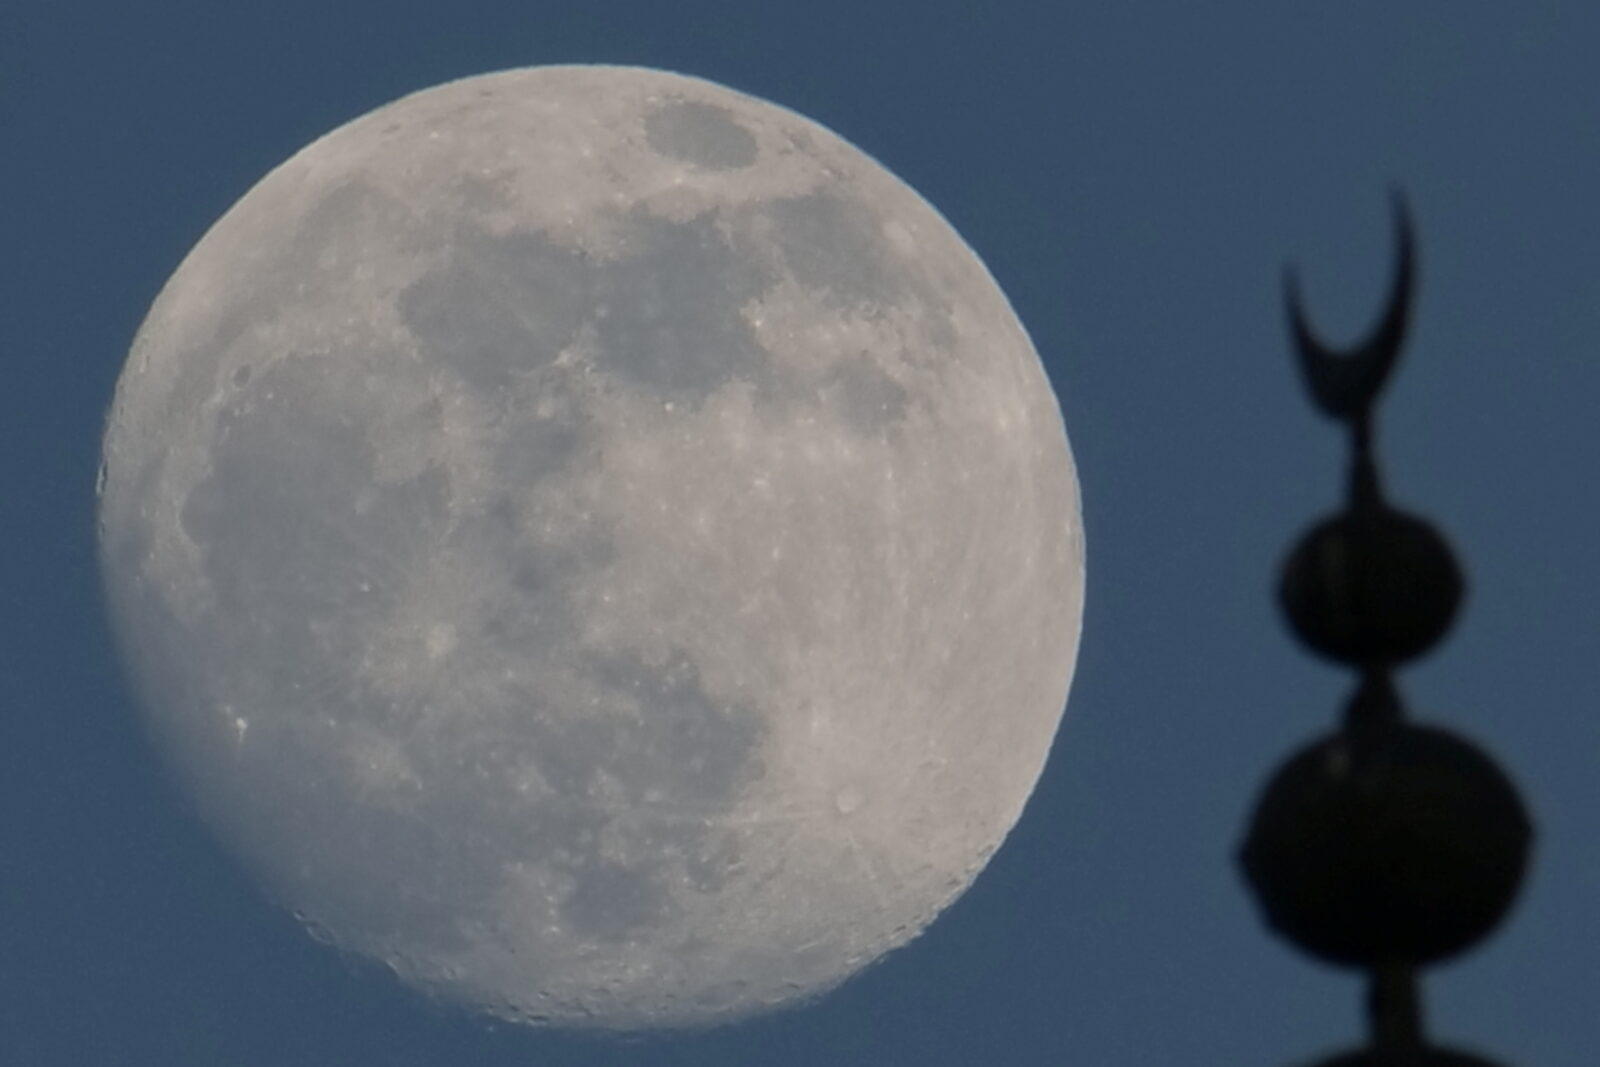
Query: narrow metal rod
pixel 1394 1008
pixel 1365 488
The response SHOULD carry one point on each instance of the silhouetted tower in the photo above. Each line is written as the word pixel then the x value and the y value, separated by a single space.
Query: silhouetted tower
pixel 1385 845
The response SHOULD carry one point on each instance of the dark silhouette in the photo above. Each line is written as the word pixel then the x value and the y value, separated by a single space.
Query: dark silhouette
pixel 1385 845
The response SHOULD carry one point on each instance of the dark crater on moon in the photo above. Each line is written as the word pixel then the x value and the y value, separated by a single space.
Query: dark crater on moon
pixel 659 769
pixel 702 134
pixel 670 314
pixel 685 747
pixel 496 307
pixel 290 518
pixel 309 558
pixel 667 316
pixel 835 245
pixel 626 822
pixel 865 398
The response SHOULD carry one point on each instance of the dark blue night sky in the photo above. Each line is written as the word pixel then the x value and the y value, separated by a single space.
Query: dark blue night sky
pixel 1134 175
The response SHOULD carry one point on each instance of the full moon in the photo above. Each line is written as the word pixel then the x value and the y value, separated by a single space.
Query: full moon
pixel 597 543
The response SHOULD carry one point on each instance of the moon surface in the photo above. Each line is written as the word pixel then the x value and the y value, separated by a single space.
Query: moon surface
pixel 598 543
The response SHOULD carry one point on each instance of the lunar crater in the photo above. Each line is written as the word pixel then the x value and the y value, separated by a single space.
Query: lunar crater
pixel 703 134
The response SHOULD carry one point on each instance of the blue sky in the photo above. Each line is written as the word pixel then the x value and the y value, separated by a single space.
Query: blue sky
pixel 1134 175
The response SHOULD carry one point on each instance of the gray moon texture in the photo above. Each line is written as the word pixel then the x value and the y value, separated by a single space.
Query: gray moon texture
pixel 597 543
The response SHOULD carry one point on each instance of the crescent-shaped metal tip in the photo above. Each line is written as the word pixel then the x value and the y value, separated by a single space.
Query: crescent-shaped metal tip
pixel 1345 382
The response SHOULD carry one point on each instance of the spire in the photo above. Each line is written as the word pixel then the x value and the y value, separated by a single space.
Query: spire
pixel 1384 845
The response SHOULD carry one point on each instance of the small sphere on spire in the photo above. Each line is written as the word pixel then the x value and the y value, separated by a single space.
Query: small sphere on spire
pixel 1409 846
pixel 1371 586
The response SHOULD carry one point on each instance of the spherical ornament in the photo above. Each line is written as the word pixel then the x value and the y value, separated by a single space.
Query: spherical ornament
pixel 1371 586
pixel 1408 847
